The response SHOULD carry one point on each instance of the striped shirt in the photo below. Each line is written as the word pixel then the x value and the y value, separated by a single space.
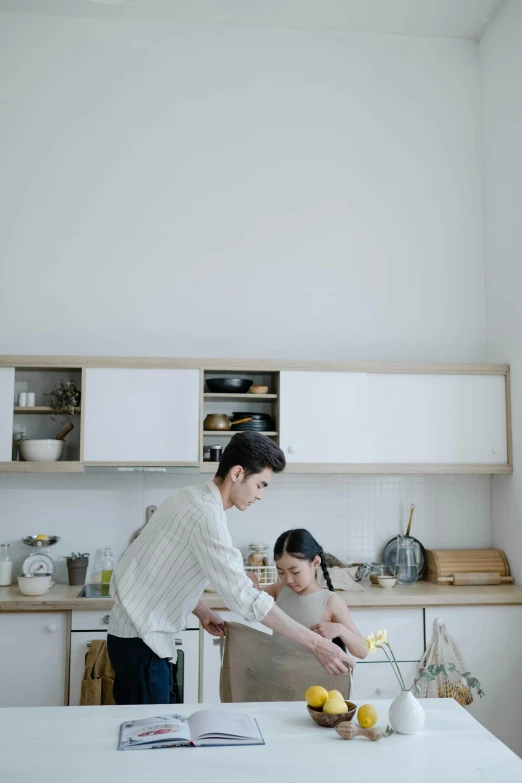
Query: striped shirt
pixel 160 578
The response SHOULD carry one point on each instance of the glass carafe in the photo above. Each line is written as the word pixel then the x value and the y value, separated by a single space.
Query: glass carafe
pixel 408 560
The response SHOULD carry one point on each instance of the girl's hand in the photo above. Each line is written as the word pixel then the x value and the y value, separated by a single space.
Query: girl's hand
pixel 327 630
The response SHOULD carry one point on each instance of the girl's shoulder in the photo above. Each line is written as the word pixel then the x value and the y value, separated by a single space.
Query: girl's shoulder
pixel 335 604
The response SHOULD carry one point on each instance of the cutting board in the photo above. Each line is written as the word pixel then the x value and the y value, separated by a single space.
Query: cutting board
pixel 444 563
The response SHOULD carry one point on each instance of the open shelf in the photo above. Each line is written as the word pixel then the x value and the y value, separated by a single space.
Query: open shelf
pixel 41 409
pixel 243 397
pixel 230 433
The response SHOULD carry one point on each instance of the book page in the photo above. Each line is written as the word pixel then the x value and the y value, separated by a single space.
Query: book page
pixel 223 724
pixel 154 731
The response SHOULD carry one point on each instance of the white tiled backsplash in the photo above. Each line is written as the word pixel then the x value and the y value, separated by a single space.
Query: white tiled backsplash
pixel 351 516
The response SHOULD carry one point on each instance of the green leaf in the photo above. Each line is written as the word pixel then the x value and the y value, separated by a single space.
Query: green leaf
pixel 388 731
pixel 434 669
pixel 450 667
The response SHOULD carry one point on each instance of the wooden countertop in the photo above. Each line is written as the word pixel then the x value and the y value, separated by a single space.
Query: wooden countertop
pixel 63 598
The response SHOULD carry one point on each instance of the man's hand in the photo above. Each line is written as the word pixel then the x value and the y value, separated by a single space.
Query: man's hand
pixel 332 658
pixel 213 624
pixel 327 630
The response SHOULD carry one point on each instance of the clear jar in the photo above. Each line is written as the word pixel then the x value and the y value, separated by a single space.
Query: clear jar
pixel 257 554
pixel 6 565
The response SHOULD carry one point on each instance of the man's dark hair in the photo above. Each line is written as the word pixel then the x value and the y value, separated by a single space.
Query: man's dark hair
pixel 254 452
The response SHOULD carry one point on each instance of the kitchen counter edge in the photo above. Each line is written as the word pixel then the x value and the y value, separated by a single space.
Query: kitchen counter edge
pixel 64 598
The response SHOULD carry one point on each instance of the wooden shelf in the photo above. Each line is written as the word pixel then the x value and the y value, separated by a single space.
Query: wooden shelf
pixel 234 432
pixel 208 467
pixel 43 409
pixel 41 467
pixel 253 397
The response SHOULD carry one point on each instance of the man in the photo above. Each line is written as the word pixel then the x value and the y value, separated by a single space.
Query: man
pixel 161 577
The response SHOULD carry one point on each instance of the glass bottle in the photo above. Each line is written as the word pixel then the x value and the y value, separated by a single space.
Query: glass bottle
pixel 6 565
pixel 107 566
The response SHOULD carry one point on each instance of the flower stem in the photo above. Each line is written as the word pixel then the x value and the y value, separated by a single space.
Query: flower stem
pixel 396 668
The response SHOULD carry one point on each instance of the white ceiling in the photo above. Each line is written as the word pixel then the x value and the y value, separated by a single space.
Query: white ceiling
pixel 431 18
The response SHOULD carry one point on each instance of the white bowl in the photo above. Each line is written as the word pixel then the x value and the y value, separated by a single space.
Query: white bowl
pixel 387 581
pixel 41 450
pixel 34 585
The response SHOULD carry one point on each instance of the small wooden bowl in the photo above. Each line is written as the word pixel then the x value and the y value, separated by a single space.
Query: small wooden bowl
pixel 258 390
pixel 331 721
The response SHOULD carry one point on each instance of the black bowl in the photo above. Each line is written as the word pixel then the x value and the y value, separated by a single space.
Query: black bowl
pixel 229 385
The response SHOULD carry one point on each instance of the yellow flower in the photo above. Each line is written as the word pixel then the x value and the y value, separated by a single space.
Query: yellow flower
pixel 370 644
pixel 381 638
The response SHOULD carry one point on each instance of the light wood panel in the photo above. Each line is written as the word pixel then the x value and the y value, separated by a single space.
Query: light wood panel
pixel 248 365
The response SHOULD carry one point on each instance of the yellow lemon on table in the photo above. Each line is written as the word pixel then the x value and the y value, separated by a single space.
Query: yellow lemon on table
pixel 335 707
pixel 316 696
pixel 367 716
pixel 42 537
pixel 335 695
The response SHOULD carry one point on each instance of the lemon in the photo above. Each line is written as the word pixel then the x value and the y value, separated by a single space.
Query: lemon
pixel 316 696
pixel 335 695
pixel 367 716
pixel 42 537
pixel 335 706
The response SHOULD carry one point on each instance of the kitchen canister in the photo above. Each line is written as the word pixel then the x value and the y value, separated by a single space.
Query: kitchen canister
pixel 31 399
pixel 22 400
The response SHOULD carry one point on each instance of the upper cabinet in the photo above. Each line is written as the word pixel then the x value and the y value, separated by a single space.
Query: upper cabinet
pixel 141 416
pixel 323 417
pixel 403 422
pixel 441 419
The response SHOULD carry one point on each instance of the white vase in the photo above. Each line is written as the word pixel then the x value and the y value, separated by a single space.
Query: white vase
pixel 406 715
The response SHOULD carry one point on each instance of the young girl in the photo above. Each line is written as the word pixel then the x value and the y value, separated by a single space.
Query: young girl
pixel 297 555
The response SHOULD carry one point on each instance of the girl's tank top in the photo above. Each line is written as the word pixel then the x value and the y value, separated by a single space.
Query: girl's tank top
pixel 305 609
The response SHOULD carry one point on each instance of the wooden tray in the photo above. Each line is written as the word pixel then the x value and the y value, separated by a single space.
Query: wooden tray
pixel 446 562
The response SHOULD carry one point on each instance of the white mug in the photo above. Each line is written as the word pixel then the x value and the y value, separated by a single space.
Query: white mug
pixel 22 400
pixel 31 397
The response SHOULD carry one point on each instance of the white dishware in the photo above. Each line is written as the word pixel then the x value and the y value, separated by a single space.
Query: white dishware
pixel 34 585
pixel 31 399
pixel 387 581
pixel 22 400
pixel 49 450
pixel 406 714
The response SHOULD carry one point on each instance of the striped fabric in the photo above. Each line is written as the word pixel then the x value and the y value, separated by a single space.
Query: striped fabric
pixel 160 578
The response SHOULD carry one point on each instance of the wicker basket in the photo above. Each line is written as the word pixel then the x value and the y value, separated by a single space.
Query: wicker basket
pixel 331 721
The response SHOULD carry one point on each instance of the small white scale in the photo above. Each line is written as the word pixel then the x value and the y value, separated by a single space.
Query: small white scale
pixel 39 564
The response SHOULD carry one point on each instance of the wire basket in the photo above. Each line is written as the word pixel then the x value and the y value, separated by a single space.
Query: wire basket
pixel 266 575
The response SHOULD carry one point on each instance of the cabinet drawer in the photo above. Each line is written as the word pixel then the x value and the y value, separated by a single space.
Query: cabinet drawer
pixel 378 681
pixel 405 630
pixel 90 620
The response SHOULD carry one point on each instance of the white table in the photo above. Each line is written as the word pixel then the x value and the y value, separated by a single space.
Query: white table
pixel 78 745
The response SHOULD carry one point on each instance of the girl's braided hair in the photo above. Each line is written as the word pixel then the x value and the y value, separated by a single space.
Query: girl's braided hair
pixel 301 544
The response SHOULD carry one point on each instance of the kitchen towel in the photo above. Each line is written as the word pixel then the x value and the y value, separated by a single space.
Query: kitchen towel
pixel 98 678
pixel 258 667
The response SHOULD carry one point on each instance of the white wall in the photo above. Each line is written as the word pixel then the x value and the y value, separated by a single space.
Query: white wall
pixel 190 190
pixel 351 516
pixel 170 189
pixel 501 69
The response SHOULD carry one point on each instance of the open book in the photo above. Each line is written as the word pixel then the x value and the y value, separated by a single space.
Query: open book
pixel 205 727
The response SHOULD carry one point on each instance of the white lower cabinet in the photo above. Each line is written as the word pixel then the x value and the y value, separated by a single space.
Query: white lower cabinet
pixel 33 649
pixel 378 681
pixel 490 640
pixel 405 629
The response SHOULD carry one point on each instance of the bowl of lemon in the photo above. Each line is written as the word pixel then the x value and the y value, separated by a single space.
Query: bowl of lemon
pixel 328 708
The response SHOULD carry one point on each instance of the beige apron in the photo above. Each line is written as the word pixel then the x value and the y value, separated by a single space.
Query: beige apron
pixel 257 666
